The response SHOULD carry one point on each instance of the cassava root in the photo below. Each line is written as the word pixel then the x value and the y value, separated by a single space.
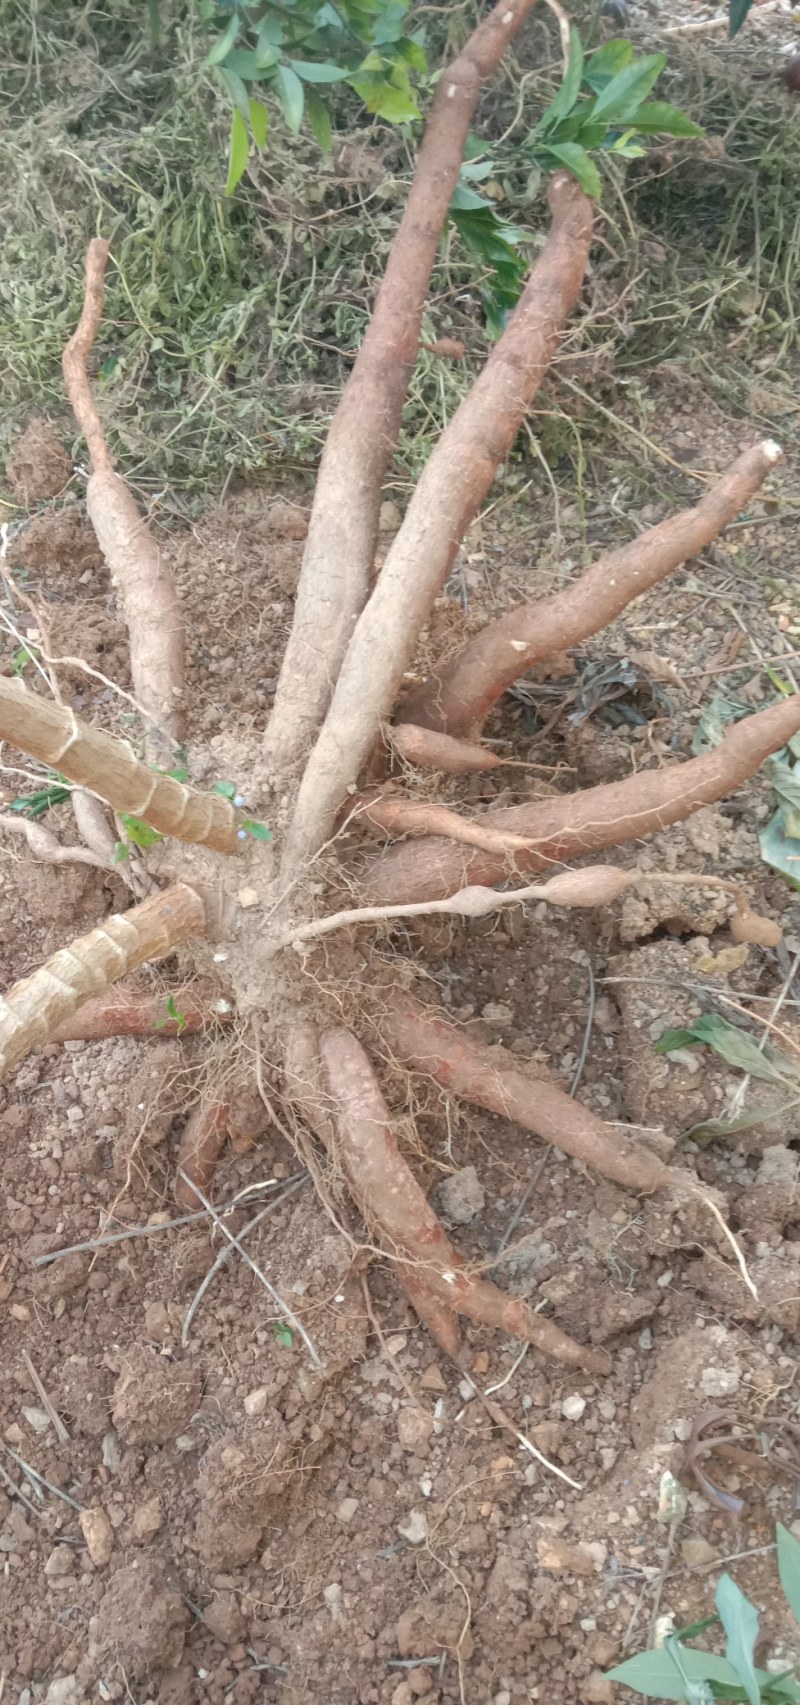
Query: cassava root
pixel 147 594
pixel 391 1200
pixel 455 480
pixel 571 826
pixel 342 536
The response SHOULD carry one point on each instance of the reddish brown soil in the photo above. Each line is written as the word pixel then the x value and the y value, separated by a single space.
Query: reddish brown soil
pixel 248 1529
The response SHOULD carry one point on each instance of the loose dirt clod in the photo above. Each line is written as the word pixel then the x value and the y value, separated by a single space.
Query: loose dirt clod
pixel 154 1399
pixel 141 1622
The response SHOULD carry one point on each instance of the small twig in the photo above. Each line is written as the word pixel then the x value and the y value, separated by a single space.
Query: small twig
pixel 17 1492
pixel 587 1034
pixel 161 1225
pixel 61 1431
pixel 35 1475
pixel 563 30
pixel 224 1255
pixel 725 1228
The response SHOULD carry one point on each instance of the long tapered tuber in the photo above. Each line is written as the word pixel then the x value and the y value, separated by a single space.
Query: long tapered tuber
pixel 428 749
pixel 34 1007
pixel 457 476
pixel 343 531
pixel 150 603
pixel 459 697
pixel 397 816
pixel 570 826
pixel 133 1012
pixel 494 1079
pixel 57 737
pixel 393 1202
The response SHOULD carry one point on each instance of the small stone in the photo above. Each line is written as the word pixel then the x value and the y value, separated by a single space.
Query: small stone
pixel 497 1012
pixel 402 1694
pixel 560 1558
pixel 573 1407
pixel 503 1697
pixel 414 1429
pixel 38 1419
pixel 720 1382
pixel 396 1344
pixel 111 1455
pixel 248 898
pixel 224 1618
pixel 596 1689
pixel 697 1553
pixel 414 1528
pixel 389 517
pixel 255 1402
pixel 480 1362
pixel 60 1562
pixel 346 1510
pixel 156 1320
pixel 96 1530
pixel 461 1197
pixel 146 1521
pixel 419 1680
pixel 433 1379
pixel 332 1595
pixel 65 1690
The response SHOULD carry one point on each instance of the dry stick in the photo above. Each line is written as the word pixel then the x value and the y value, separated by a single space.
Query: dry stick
pixel 228 1249
pixel 36 1005
pixel 573 825
pixel 125 1012
pixel 343 530
pixel 235 1243
pixel 61 740
pixel 459 697
pixel 390 1197
pixel 60 1430
pixel 454 483
pixel 493 1079
pixel 147 594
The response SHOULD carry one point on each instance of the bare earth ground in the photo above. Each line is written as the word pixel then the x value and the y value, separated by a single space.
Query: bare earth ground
pixel 260 1533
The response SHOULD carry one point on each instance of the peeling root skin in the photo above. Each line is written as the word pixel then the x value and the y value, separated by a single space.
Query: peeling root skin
pixel 391 1199
pixel 460 697
pixel 492 1078
pixel 572 825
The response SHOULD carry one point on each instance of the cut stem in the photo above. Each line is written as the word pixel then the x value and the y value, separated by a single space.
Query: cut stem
pixel 58 738
pixel 34 1007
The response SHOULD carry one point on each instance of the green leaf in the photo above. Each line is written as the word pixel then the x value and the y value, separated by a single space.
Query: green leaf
pixel 242 62
pixel 283 1333
pixel 780 850
pixel 656 1674
pixel 733 1045
pixel 658 118
pixel 577 162
pixel 139 833
pixel 176 1015
pixel 292 97
pixel 621 97
pixel 225 789
pixel 238 152
pixel 224 43
pixel 786 782
pixel 320 120
pixel 270 36
pixel 789 1568
pixel 566 96
pixel 708 1129
pixel 259 123
pixel 740 1620
pixel 397 106
pixel 737 12
pixel 237 92
pixel 607 63
pixel 710 729
pixel 313 72
pixel 257 831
